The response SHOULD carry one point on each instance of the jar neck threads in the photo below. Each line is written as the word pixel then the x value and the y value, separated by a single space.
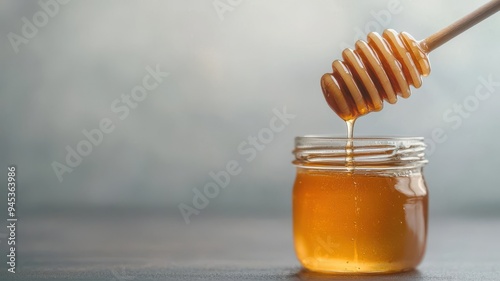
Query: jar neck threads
pixel 323 152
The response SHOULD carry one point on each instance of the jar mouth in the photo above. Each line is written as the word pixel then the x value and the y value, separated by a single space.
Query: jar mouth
pixel 374 138
pixel 368 153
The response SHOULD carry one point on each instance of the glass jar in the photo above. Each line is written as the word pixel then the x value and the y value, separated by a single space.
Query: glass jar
pixel 365 212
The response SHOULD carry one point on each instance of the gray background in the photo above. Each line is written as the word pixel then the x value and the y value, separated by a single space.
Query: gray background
pixel 226 76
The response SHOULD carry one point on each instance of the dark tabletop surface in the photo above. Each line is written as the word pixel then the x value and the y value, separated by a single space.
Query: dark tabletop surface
pixel 121 246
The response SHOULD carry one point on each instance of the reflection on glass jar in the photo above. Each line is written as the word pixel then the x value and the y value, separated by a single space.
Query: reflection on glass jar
pixel 371 217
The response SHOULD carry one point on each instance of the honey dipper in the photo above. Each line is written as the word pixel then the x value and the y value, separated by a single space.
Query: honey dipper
pixel 386 65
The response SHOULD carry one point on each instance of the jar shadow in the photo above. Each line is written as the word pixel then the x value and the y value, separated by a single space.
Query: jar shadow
pixel 307 275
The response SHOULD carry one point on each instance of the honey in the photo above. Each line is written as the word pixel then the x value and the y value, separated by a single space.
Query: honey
pixel 369 219
pixel 380 69
pixel 359 223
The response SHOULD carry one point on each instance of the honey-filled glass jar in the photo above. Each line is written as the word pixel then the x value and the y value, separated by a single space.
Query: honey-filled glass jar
pixel 359 205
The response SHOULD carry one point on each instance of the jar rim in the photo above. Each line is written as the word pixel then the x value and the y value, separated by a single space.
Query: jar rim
pixel 365 153
pixel 374 138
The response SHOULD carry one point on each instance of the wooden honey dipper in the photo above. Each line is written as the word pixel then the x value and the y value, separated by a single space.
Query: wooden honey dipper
pixel 386 65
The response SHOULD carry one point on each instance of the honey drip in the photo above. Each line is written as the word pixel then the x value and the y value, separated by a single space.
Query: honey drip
pixel 349 145
pixel 380 69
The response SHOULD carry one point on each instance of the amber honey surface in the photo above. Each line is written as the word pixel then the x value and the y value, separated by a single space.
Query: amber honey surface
pixel 356 222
